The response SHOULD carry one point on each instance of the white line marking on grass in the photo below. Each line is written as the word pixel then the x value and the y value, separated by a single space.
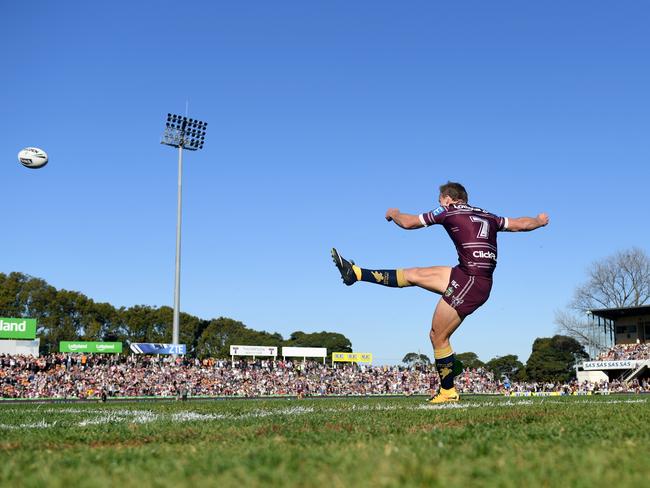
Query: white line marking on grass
pixel 100 416
pixel 608 402
pixel 142 417
pixel 37 425
pixel 194 416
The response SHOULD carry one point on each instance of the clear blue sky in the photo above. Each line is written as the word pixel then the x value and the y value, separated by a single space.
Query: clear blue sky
pixel 321 116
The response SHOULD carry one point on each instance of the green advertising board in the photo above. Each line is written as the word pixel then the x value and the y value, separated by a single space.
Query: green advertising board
pixel 82 346
pixel 13 328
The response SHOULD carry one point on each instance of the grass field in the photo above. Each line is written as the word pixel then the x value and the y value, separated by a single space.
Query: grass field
pixel 496 441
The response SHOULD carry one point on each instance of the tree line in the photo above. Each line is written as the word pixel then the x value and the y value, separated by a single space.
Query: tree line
pixel 64 315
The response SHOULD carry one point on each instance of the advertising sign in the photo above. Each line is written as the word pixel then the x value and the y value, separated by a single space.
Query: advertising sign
pixel 85 346
pixel 13 328
pixel 352 357
pixel 151 348
pixel 628 364
pixel 304 352
pixel 535 393
pixel 253 351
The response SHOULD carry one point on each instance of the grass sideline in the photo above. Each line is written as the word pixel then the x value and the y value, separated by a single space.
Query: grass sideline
pixel 497 441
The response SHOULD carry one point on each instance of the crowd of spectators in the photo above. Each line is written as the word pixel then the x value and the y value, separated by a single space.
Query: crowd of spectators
pixel 626 352
pixel 96 376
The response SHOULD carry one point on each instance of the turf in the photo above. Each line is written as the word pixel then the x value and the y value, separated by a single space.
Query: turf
pixel 497 441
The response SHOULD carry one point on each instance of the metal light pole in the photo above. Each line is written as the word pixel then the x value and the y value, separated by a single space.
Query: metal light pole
pixel 182 133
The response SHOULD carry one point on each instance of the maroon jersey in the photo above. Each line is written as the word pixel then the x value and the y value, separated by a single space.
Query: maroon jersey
pixel 474 232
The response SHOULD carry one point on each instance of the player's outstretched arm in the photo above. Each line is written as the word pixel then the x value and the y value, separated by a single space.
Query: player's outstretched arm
pixel 525 224
pixel 405 221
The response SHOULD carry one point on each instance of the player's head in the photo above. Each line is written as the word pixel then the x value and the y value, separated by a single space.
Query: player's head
pixel 452 192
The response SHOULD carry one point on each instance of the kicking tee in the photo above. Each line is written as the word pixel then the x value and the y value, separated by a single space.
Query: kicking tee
pixel 474 232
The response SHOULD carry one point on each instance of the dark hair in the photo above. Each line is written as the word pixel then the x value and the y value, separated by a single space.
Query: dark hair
pixel 454 190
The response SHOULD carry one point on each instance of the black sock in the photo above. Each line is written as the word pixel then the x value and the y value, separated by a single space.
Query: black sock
pixel 445 368
pixel 386 277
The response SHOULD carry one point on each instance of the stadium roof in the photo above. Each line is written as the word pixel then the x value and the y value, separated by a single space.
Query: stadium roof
pixel 617 313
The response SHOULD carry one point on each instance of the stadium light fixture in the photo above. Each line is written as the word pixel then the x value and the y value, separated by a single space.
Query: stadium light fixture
pixel 182 133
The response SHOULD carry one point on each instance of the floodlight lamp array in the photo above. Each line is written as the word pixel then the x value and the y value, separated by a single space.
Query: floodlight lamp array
pixel 184 132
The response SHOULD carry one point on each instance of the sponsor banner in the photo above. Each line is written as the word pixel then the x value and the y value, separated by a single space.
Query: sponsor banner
pixel 13 328
pixel 304 352
pixel 151 348
pixel 628 364
pixel 535 393
pixel 253 351
pixel 25 348
pixel 95 347
pixel 352 357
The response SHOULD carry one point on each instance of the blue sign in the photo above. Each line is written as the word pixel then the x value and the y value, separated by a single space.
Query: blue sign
pixel 151 348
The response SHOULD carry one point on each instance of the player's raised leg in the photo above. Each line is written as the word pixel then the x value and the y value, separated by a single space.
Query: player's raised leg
pixel 351 273
pixel 433 278
pixel 445 321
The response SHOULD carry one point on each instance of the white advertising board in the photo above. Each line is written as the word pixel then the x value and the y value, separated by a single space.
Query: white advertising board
pixel 253 351
pixel 304 352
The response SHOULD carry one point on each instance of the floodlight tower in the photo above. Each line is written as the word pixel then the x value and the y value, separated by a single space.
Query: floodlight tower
pixel 183 133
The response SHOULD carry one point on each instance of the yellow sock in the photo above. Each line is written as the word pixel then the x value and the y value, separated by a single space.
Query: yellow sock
pixel 401 281
pixel 357 271
pixel 443 352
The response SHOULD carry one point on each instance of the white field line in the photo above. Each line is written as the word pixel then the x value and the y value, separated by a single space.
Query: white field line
pixel 116 416
pixel 37 425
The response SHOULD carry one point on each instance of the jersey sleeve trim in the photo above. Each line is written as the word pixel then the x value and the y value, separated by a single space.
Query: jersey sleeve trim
pixel 435 216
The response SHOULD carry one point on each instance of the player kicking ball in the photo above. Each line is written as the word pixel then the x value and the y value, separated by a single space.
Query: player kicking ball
pixel 465 287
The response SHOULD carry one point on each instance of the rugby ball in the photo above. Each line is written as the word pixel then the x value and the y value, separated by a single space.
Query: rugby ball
pixel 32 157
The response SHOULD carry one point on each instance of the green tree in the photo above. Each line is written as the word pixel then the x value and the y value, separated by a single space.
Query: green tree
pixel 70 315
pixel 221 333
pixel 470 360
pixel 553 358
pixel 64 319
pixel 147 324
pixel 61 314
pixel 332 341
pixel 24 296
pixel 416 359
pixel 508 365
pixel 101 322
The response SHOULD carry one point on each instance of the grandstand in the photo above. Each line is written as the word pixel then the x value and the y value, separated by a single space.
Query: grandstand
pixel 80 376
pixel 621 339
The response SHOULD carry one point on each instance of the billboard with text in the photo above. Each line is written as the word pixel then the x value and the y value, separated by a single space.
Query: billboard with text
pixel 352 357
pixel 17 328
pixel 154 348
pixel 253 351
pixel 94 347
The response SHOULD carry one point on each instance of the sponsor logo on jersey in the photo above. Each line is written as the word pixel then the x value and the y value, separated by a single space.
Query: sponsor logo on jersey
pixel 485 255
pixel 438 211
pixel 464 206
